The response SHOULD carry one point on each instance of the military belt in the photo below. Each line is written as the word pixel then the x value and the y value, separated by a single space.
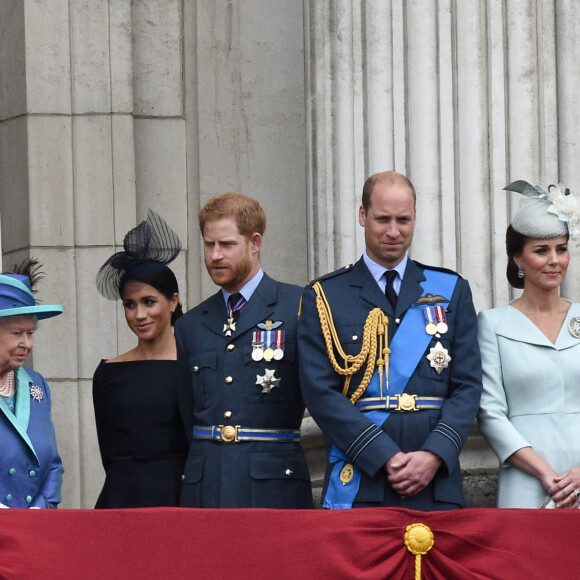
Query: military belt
pixel 400 403
pixel 236 434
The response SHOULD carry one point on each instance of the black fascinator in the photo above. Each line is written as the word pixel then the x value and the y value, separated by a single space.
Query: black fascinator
pixel 149 246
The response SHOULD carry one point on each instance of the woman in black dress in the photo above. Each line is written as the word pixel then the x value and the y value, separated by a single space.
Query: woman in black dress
pixel 142 441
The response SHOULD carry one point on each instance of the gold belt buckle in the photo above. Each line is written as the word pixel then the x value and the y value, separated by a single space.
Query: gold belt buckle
pixel 229 433
pixel 406 402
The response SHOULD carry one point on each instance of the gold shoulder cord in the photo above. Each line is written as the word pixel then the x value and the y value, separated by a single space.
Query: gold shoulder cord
pixel 375 333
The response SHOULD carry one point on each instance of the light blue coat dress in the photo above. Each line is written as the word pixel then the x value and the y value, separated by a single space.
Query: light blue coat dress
pixel 30 466
pixel 531 397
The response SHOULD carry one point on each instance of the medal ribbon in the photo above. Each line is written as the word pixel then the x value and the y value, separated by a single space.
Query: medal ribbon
pixel 279 340
pixel 428 315
pixel 236 307
pixel 440 314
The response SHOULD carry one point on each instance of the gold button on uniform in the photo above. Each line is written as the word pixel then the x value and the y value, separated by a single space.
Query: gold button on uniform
pixel 229 380
pixel 289 473
pixel 231 346
pixel 227 414
pixel 196 369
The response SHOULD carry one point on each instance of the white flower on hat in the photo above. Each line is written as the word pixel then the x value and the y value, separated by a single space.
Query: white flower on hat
pixel 550 212
pixel 566 207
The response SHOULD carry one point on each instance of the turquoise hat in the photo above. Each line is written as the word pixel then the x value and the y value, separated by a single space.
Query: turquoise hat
pixel 16 298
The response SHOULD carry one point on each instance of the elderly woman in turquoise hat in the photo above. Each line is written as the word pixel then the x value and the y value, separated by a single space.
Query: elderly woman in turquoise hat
pixel 30 466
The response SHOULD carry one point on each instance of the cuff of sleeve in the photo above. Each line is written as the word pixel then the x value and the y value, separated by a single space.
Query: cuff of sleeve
pixel 445 442
pixel 371 450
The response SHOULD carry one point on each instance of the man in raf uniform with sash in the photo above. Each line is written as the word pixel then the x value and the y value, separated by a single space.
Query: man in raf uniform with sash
pixel 238 373
pixel 390 366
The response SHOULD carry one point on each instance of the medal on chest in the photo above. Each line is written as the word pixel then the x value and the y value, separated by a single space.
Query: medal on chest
pixel 268 381
pixel 268 343
pixel 439 358
pixel 229 326
pixel 435 320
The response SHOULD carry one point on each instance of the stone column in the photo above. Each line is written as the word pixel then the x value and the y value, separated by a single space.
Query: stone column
pixel 65 123
pixel 71 157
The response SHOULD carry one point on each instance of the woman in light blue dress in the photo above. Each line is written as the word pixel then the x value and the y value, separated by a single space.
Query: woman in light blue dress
pixel 530 348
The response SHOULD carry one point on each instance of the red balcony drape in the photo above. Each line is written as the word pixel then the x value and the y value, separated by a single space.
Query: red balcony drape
pixel 160 543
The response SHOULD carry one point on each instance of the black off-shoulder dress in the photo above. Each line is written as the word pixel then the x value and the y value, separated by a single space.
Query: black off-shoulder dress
pixel 142 440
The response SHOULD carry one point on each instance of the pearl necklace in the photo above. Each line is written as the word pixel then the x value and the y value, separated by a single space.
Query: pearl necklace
pixel 7 389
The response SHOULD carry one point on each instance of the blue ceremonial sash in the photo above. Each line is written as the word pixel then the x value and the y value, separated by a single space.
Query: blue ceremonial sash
pixel 407 348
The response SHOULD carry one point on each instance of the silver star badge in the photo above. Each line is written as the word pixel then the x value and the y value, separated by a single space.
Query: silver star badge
pixel 36 393
pixel 439 357
pixel 268 381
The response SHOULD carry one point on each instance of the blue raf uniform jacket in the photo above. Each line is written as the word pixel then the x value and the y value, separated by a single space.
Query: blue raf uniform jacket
pixel 218 386
pixel 352 293
pixel 30 466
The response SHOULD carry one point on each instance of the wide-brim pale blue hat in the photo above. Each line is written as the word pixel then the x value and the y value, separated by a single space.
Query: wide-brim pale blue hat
pixel 16 298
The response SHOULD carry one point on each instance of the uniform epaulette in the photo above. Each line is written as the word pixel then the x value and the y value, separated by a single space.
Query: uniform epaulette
pixel 333 274
pixel 437 269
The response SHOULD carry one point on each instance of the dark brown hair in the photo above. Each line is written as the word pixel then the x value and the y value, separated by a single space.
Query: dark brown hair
pixel 514 244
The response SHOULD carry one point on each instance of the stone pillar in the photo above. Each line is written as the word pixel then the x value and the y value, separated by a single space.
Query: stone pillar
pixel 71 157
pixel 250 119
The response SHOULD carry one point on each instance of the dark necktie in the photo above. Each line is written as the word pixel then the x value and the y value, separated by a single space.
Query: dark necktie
pixel 390 289
pixel 235 304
